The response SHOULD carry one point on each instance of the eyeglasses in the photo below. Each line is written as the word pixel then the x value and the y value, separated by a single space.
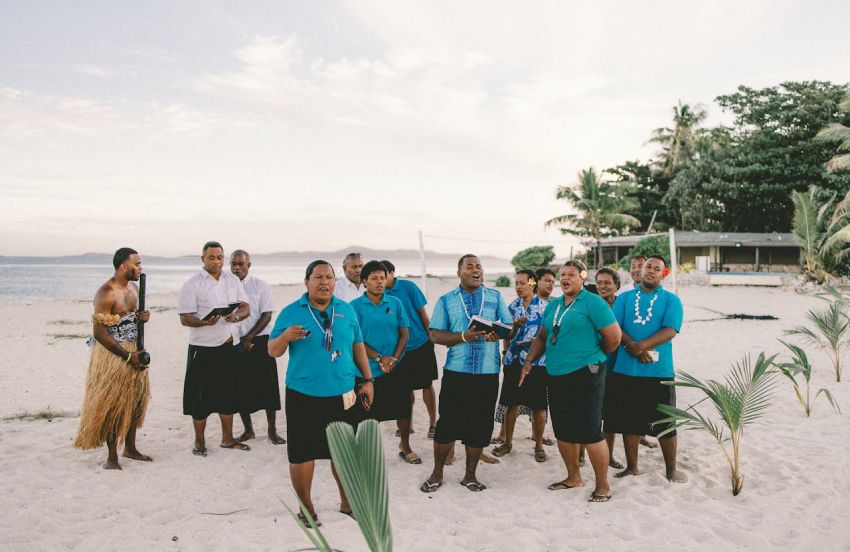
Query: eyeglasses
pixel 326 321
pixel 555 331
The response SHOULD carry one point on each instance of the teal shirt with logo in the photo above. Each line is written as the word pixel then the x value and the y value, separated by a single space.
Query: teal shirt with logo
pixel 578 343
pixel 312 369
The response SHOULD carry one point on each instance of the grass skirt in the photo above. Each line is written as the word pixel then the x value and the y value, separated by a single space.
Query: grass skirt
pixel 116 393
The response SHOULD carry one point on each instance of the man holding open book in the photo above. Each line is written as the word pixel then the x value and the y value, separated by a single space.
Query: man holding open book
pixel 465 320
pixel 211 304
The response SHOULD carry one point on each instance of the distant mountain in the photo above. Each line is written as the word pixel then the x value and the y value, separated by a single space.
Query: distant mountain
pixel 330 256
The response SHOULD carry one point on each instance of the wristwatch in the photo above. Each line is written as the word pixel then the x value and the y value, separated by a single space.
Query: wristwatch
pixel 368 380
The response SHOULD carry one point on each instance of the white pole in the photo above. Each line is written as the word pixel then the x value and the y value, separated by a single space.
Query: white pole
pixel 422 264
pixel 673 261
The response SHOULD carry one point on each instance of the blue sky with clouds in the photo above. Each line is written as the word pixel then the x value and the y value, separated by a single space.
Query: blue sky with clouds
pixel 316 125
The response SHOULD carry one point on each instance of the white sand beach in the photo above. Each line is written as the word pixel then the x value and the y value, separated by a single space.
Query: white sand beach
pixel 796 493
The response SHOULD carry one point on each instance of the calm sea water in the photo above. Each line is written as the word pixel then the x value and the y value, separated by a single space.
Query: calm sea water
pixel 35 279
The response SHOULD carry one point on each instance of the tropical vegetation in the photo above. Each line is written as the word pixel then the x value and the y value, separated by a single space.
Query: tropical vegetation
pixel 823 231
pixel 359 462
pixel 534 257
pixel 829 332
pixel 602 209
pixel 739 401
pixel 799 365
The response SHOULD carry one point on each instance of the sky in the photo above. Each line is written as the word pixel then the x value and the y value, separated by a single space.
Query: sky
pixel 280 126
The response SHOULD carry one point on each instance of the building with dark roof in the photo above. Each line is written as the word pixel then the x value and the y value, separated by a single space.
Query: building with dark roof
pixel 726 251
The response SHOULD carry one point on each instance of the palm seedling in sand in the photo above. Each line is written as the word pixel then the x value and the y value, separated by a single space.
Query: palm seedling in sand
pixel 359 462
pixel 831 328
pixel 800 365
pixel 739 400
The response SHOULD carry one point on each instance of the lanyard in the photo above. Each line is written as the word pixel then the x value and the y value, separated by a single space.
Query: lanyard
pixel 463 303
pixel 556 322
pixel 328 333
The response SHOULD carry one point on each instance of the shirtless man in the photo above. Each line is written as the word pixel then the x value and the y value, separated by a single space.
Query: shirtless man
pixel 117 385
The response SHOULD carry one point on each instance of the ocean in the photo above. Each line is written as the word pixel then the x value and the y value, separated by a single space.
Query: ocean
pixel 37 279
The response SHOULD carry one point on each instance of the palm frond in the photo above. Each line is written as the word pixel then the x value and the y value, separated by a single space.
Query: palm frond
pixel 805 221
pixel 830 398
pixel 359 462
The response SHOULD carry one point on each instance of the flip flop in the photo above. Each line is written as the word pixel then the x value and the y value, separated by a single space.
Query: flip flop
pixel 539 454
pixel 199 451
pixel 410 458
pixel 614 464
pixel 430 486
pixel 237 445
pixel 561 486
pixel 548 442
pixel 497 441
pixel 598 498
pixel 501 450
pixel 474 486
pixel 303 519
pixel 349 513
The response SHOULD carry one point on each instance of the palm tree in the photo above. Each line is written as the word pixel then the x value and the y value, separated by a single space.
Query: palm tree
pixel 799 364
pixel 831 327
pixel 739 401
pixel 679 145
pixel 836 132
pixel 602 209
pixel 824 237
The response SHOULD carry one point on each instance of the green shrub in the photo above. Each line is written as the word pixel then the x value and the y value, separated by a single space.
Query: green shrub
pixel 653 245
pixel 503 281
pixel 533 257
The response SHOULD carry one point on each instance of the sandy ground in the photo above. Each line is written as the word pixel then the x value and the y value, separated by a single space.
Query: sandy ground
pixel 54 497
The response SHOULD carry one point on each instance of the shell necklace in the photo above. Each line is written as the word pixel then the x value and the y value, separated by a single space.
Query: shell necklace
pixel 638 318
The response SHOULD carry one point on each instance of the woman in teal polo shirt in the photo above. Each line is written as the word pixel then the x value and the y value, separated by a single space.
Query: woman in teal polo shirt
pixel 326 353
pixel 385 332
pixel 578 331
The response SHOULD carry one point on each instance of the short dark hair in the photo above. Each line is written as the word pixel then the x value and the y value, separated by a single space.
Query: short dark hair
pixel 211 244
pixel 466 256
pixel 122 255
pixel 659 257
pixel 390 266
pixel 312 266
pixel 610 272
pixel 532 277
pixel 541 272
pixel 577 264
pixel 237 252
pixel 638 258
pixel 370 267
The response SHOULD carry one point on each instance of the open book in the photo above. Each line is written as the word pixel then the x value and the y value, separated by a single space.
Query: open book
pixel 481 323
pixel 220 311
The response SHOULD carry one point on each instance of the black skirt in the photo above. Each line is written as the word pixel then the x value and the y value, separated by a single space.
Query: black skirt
pixel 467 404
pixel 392 398
pixel 211 384
pixel 419 366
pixel 532 393
pixel 258 383
pixel 306 420
pixel 575 404
pixel 631 405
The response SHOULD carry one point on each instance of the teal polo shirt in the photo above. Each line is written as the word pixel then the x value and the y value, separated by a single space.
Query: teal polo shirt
pixel 579 342
pixel 380 323
pixel 666 313
pixel 312 369
pixel 413 299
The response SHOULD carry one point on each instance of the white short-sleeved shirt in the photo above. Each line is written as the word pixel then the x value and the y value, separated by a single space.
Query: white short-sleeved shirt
pixel 200 294
pixel 345 290
pixel 259 295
